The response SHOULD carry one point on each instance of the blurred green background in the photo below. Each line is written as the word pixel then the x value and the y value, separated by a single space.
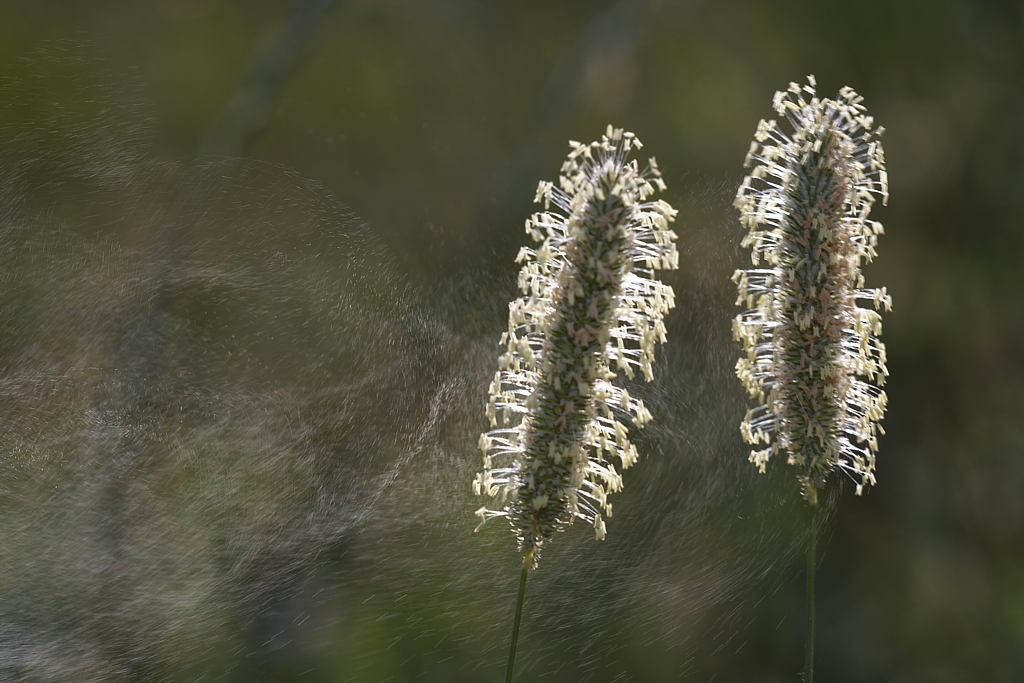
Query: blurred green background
pixel 255 262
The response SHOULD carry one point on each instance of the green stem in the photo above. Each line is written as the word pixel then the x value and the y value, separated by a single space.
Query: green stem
pixel 527 560
pixel 811 562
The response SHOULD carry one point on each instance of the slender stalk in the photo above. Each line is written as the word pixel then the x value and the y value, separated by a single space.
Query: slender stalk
pixel 527 561
pixel 812 534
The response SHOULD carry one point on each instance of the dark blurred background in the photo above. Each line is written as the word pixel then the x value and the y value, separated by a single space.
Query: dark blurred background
pixel 255 262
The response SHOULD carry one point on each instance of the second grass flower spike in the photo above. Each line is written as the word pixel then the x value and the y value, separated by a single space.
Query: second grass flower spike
pixel 813 360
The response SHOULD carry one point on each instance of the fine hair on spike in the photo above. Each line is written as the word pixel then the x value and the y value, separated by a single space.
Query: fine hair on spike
pixel 590 308
pixel 812 358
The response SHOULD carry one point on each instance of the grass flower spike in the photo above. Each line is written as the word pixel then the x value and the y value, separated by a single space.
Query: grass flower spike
pixel 590 308
pixel 813 360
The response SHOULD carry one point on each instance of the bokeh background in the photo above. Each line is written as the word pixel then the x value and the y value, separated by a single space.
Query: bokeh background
pixel 255 261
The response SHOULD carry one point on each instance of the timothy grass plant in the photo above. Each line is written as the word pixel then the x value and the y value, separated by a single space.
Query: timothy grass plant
pixel 591 310
pixel 813 361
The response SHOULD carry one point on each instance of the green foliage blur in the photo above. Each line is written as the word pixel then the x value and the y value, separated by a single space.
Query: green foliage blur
pixel 403 151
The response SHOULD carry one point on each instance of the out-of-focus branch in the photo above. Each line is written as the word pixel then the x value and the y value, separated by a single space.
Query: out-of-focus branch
pixel 247 115
pixel 251 108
